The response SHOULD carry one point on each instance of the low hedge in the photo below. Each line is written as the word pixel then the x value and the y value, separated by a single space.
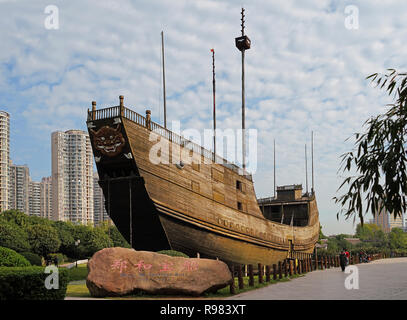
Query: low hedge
pixel 10 258
pixel 28 283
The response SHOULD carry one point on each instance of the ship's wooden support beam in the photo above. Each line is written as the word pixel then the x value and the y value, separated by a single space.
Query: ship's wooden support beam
pixel 260 267
pixel 240 277
pixel 232 284
pixel 268 271
pixel 251 276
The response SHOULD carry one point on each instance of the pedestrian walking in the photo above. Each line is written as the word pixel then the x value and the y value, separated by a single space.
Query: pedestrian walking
pixel 343 259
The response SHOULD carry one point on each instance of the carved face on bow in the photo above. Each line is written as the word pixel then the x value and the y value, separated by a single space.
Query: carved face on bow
pixel 109 141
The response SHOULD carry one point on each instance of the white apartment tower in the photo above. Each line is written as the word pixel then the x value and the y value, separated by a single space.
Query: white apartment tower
pixel 4 159
pixel 100 213
pixel 72 177
pixel 19 182
pixel 34 199
pixel 46 197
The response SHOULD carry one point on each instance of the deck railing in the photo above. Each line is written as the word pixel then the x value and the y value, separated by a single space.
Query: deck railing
pixel 137 118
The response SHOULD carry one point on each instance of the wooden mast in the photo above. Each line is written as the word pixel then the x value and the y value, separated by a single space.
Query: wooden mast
pixel 306 169
pixel 164 94
pixel 243 43
pixel 275 188
pixel 312 160
pixel 214 103
pixel 243 104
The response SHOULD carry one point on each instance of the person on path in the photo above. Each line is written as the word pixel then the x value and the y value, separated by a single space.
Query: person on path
pixel 347 256
pixel 343 260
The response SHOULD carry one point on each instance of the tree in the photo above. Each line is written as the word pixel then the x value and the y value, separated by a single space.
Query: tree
pixel 97 241
pixel 17 217
pixel 379 157
pixel 117 238
pixel 397 239
pixel 65 230
pixel 366 231
pixel 13 237
pixel 43 239
pixel 321 235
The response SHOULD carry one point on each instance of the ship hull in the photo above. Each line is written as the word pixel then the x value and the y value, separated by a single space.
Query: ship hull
pixel 198 210
pixel 192 239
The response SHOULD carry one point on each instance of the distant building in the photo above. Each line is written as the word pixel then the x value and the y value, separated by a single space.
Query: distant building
pixel 46 197
pixel 4 160
pixel 72 176
pixel 353 240
pixel 387 221
pixel 34 199
pixel 18 195
pixel 100 213
pixel 322 245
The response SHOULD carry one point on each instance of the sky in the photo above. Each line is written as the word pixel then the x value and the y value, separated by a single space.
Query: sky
pixel 306 71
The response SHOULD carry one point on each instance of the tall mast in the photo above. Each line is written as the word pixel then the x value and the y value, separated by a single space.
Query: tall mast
pixel 275 169
pixel 164 95
pixel 243 43
pixel 306 169
pixel 214 103
pixel 312 160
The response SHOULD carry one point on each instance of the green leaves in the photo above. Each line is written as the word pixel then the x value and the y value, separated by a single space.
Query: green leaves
pixel 378 157
pixel 43 239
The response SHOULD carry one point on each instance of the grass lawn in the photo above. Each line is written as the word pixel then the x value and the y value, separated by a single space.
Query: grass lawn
pixel 78 273
pixel 80 290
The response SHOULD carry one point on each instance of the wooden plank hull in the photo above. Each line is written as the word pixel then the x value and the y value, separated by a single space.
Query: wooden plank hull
pixel 201 207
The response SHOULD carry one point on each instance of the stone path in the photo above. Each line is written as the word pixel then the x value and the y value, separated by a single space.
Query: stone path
pixel 378 280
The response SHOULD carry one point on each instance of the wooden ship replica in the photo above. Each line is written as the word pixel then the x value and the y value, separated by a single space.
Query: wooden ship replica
pixel 206 207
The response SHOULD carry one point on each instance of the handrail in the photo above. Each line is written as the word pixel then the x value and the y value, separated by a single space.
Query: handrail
pixel 137 118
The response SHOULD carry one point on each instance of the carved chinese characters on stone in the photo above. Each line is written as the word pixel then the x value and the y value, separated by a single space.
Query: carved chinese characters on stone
pixel 120 265
pixel 120 271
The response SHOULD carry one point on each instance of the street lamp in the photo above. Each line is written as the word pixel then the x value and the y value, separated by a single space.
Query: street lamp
pixel 77 242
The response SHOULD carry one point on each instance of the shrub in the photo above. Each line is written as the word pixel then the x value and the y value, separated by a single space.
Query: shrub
pixel 33 258
pixel 10 258
pixel 13 237
pixel 29 284
pixel 173 253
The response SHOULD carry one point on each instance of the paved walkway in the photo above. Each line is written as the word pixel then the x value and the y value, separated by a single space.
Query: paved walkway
pixel 378 280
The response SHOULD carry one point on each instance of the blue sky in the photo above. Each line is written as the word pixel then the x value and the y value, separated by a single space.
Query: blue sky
pixel 305 71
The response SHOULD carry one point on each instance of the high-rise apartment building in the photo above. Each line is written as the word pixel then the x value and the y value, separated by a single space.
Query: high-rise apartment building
pixel 19 180
pixel 386 221
pixel 100 213
pixel 72 176
pixel 4 159
pixel 46 197
pixel 34 198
